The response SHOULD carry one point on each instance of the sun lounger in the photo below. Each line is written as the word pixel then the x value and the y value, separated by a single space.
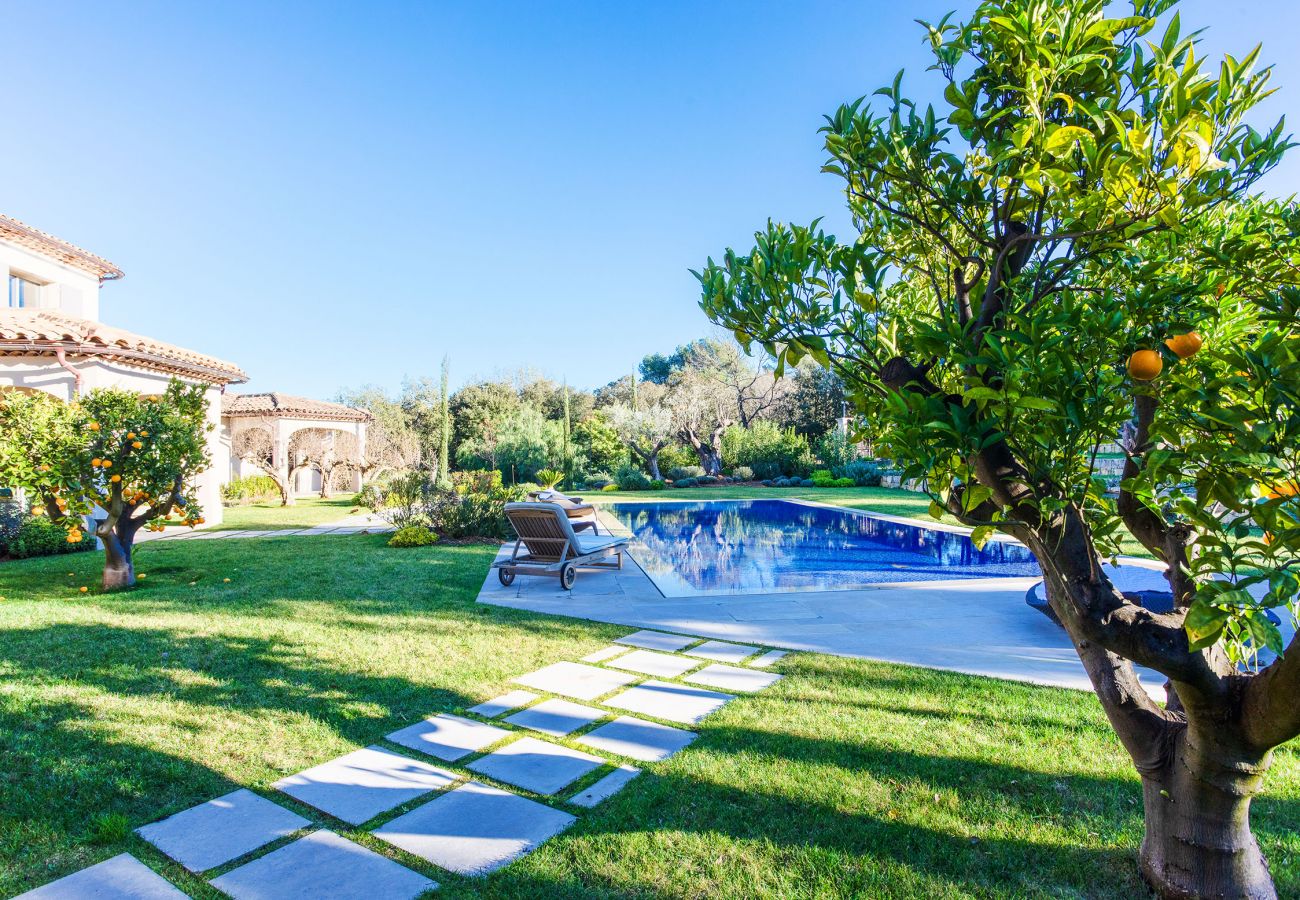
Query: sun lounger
pixel 573 507
pixel 548 545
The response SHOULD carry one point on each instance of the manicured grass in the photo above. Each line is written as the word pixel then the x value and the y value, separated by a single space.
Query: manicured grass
pixel 847 779
pixel 892 501
pixel 304 513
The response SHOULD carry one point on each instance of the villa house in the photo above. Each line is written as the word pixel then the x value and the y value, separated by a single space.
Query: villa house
pixel 52 340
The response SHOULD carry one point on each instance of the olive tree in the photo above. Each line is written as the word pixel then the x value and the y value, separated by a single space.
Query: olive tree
pixel 125 459
pixel 1066 251
pixel 646 430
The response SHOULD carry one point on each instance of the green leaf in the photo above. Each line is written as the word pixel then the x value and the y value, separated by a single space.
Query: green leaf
pixel 1204 623
pixel 936 511
pixel 980 536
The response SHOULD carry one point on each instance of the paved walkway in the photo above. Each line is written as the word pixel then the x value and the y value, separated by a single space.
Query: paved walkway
pixel 517 781
pixel 976 626
pixel 361 523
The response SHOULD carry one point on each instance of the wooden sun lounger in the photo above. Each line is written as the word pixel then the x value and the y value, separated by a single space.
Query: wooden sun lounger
pixel 548 545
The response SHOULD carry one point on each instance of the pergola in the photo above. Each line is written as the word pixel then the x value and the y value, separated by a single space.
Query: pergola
pixel 283 424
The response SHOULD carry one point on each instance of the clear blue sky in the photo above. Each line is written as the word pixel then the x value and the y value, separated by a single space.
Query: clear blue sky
pixel 361 188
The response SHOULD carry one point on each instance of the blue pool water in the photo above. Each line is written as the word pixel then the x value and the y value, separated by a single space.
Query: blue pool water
pixel 767 546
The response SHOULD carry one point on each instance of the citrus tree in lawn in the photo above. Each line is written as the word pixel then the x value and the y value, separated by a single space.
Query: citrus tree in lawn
pixel 1066 252
pixel 117 454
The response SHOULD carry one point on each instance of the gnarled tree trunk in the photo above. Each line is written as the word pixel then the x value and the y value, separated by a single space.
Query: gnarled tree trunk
pixel 1199 767
pixel 118 539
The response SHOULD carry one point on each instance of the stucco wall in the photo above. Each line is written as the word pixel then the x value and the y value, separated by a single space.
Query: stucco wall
pixel 66 288
pixel 43 373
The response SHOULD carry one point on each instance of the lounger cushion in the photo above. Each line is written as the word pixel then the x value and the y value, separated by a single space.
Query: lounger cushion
pixel 593 543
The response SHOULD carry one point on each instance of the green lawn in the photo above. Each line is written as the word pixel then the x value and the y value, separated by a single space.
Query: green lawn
pixel 893 501
pixel 305 512
pixel 847 779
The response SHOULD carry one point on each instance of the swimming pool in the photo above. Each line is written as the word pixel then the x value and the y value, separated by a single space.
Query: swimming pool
pixel 770 546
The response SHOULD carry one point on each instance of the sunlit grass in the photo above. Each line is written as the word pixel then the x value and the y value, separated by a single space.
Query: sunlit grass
pixel 847 779
pixel 304 513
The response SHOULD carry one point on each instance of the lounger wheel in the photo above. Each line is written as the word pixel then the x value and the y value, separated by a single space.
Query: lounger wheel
pixel 568 575
pixel 507 577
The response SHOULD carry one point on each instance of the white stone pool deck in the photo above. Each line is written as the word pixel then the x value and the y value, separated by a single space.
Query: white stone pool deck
pixel 977 626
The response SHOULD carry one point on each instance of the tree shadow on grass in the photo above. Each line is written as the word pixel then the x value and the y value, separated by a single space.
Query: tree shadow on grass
pixel 1069 835
pixel 71 757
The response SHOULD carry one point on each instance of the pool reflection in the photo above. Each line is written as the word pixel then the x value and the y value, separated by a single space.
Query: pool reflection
pixel 759 546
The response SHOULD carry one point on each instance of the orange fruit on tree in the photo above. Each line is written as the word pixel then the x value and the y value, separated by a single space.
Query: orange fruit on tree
pixel 107 464
pixel 1145 365
pixel 1184 345
pixel 93 426
pixel 95 462
pixel 130 435
pixel 137 445
pixel 115 479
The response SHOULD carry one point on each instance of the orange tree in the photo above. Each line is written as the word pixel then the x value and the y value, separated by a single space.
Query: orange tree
pixel 123 459
pixel 1065 255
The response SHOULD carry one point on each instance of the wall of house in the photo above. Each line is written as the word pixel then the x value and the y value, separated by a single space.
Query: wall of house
pixel 43 373
pixel 64 287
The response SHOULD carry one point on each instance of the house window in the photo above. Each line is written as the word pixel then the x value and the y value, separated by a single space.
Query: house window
pixel 23 292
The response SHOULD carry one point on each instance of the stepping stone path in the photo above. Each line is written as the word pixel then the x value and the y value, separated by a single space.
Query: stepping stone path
pixel 121 878
pixel 556 717
pixel 720 651
pixel 537 766
pixel 655 640
pixel 638 739
pixel 220 830
pixel 503 704
pixel 770 657
pixel 607 787
pixel 734 678
pixel 647 662
pixel 448 737
pixel 475 829
pixel 604 654
pixel 574 680
pixel 364 783
pixel 324 865
pixel 468 827
pixel 674 702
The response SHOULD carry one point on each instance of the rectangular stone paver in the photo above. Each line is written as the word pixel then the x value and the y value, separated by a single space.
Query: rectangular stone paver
pixel 606 787
pixel 322 864
pixel 475 829
pixel 733 678
pixel 210 834
pixel 536 765
pixel 121 878
pixel 674 702
pixel 769 658
pixel 557 717
pixel 448 737
pixel 506 702
pixel 647 662
pixel 721 651
pixel 604 654
pixel 575 680
pixel 638 739
pixel 360 785
pixel 656 640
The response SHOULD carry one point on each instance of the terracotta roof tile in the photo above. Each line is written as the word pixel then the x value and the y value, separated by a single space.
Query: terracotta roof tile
pixel 277 405
pixel 26 332
pixel 48 245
